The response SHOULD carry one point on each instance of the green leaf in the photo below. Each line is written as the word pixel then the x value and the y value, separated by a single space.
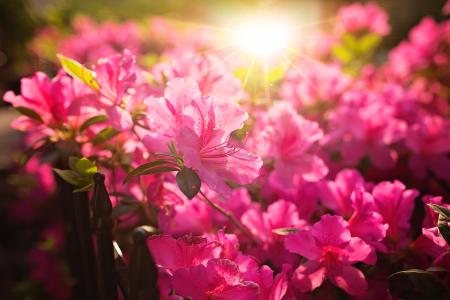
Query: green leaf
pixel 342 54
pixel 73 162
pixel 143 168
pixel 276 74
pixel 77 70
pixel 440 210
pixel 104 135
pixel 443 221
pixel 350 41
pixel 71 177
pixel 284 231
pixel 368 42
pixel 85 167
pixel 29 113
pixel 92 121
pixel 124 208
pixel 188 182
pixel 85 188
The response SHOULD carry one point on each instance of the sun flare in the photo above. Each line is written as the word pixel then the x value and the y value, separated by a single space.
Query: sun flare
pixel 262 37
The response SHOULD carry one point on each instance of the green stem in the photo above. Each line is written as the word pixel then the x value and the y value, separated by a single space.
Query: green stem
pixel 230 217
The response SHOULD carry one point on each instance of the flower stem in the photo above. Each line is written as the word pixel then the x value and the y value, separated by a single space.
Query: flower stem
pixel 230 217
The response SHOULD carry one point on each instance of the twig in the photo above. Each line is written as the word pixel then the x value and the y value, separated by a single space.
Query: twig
pixel 230 217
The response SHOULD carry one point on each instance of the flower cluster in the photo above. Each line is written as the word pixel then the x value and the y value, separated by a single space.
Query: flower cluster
pixel 316 194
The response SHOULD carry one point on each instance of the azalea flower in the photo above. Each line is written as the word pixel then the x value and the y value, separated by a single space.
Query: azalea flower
pixel 289 139
pixel 331 251
pixel 363 17
pixel 395 204
pixel 200 128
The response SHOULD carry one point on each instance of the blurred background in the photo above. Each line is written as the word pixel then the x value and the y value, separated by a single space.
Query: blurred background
pixel 21 20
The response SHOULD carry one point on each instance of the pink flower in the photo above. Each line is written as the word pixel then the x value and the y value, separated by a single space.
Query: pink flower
pixel 219 279
pixel 336 194
pixel 395 204
pixel 200 128
pixel 429 140
pixel 446 8
pixel 172 254
pixel 289 139
pixel 363 17
pixel 280 214
pixel 54 100
pixel 367 125
pixel 331 251
pixel 116 75
pixel 209 71
pixel 366 223
pixel 318 83
pixel 92 41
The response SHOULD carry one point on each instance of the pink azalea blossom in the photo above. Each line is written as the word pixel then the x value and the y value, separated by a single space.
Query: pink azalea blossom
pixel 336 194
pixel 366 125
pixel 318 83
pixel 289 139
pixel 331 251
pixel 429 141
pixel 54 100
pixel 200 128
pixel 279 215
pixel 209 71
pixel 92 41
pixel 219 279
pixel 116 75
pixel 366 223
pixel 363 17
pixel 395 204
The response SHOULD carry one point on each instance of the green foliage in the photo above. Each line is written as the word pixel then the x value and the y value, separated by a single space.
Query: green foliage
pixel 157 166
pixel 285 230
pixel 29 113
pixel 443 221
pixel 77 70
pixel 188 182
pixel 80 174
pixel 92 121
pixel 104 135
pixel 418 284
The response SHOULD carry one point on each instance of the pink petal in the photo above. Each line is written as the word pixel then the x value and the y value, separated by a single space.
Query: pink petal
pixel 350 279
pixel 191 282
pixel 309 276
pixel 356 250
pixel 331 230
pixel 303 243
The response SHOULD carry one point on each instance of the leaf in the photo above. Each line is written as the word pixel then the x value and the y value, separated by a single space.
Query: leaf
pixel 85 188
pixel 104 135
pixel 29 113
pixel 71 177
pixel 350 41
pixel 410 272
pixel 92 121
pixel 124 208
pixel 72 162
pixel 85 167
pixel 77 70
pixel 342 54
pixel 142 168
pixel 368 42
pixel 443 221
pixel 285 230
pixel 440 210
pixel 188 182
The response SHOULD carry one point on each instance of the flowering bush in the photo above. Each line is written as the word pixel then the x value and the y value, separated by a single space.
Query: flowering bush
pixel 336 188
